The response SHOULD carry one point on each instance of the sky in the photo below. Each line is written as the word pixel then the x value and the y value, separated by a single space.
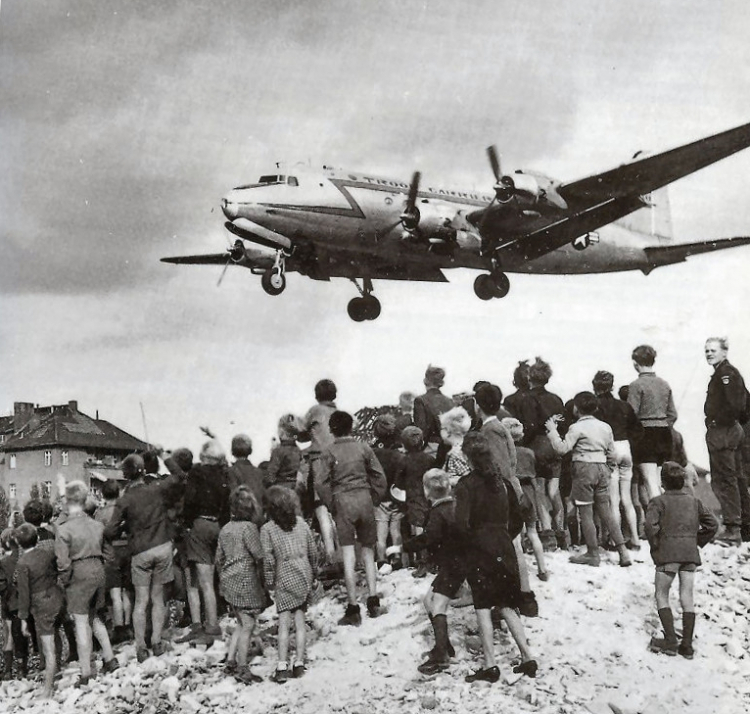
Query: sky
pixel 124 122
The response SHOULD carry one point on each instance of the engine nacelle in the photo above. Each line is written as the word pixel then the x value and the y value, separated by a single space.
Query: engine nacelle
pixel 435 221
pixel 527 189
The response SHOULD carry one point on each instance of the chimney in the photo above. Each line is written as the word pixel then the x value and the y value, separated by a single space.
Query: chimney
pixel 22 413
pixel 73 406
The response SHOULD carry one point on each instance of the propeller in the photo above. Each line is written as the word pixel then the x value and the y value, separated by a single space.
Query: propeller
pixel 410 215
pixel 505 187
pixel 235 253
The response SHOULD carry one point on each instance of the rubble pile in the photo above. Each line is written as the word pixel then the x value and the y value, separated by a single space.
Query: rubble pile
pixel 590 640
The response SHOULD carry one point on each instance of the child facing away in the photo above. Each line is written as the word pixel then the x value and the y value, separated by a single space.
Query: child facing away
pixel 286 456
pixel 526 472
pixel 117 576
pixel 445 545
pixel 353 482
pixel 592 447
pixel 454 426
pixel 416 464
pixel 239 560
pixel 14 641
pixel 677 524
pixel 244 473
pixel 39 595
pixel 389 513
pixel 80 549
pixel 289 558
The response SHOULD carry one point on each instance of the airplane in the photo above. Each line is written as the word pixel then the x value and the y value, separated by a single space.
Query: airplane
pixel 331 223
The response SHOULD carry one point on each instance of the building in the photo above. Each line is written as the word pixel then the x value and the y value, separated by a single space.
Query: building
pixel 40 444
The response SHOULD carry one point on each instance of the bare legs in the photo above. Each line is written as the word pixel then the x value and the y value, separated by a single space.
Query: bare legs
pixel 122 608
pixel 650 475
pixel 48 648
pixel 205 577
pixel 285 623
pixel 350 577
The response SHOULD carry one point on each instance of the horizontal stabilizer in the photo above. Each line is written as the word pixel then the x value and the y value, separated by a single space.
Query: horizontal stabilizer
pixel 208 259
pixel 667 254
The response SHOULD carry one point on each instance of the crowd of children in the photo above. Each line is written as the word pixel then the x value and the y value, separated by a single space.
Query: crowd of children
pixel 454 487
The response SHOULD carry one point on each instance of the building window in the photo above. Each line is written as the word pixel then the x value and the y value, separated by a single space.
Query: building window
pixel 48 458
pixel 2 438
pixel 47 490
pixel 12 461
pixel 65 458
pixel 12 491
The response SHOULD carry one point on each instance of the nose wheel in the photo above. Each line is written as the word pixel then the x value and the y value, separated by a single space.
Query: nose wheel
pixel 493 285
pixel 365 307
pixel 273 280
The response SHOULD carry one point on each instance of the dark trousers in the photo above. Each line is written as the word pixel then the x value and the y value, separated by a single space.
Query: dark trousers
pixel 725 462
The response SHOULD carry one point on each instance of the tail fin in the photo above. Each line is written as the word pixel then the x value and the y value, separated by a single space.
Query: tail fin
pixel 654 220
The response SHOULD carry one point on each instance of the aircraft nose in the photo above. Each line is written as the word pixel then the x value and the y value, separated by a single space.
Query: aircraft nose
pixel 229 207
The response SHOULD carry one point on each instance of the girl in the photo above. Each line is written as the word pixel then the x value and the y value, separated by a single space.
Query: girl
pixel 455 424
pixel 239 554
pixel 482 517
pixel 289 567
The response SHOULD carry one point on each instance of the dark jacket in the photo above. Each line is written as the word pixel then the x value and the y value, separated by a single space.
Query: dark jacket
pixel 142 512
pixel 726 396
pixel 392 460
pixel 535 408
pixel 482 517
pixel 350 465
pixel 677 524
pixel 8 590
pixel 36 571
pixel 416 464
pixel 427 410
pixel 244 473
pixel 620 416
pixel 441 536
pixel 207 493
pixel 284 464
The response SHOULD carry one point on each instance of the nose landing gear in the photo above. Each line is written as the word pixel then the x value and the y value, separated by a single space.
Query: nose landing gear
pixel 365 307
pixel 273 280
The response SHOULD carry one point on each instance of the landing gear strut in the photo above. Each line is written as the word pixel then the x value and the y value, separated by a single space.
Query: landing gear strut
pixel 365 307
pixel 492 285
pixel 273 280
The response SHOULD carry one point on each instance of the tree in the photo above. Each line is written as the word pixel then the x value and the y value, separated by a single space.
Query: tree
pixel 365 419
pixel 4 509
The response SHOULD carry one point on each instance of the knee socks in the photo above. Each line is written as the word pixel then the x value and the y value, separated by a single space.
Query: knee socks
pixel 667 623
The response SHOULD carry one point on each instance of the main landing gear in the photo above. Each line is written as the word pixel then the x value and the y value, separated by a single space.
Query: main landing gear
pixel 365 307
pixel 492 285
pixel 273 279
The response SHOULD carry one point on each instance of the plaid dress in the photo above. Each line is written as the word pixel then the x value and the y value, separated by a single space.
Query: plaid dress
pixel 289 563
pixel 238 557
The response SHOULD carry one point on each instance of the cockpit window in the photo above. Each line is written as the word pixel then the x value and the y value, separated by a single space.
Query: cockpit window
pixel 292 181
pixel 270 179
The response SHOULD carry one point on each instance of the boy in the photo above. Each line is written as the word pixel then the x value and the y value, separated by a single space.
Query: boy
pixel 353 482
pixel 416 463
pixel 143 512
pixel 14 641
pixel 677 524
pixel 442 539
pixel 39 595
pixel 243 472
pixel 117 572
pixel 286 456
pixel 592 446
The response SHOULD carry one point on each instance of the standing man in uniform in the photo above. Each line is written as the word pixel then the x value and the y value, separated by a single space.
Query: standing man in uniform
pixel 725 408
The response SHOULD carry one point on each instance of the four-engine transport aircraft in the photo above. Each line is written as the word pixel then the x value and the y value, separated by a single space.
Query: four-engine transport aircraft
pixel 338 224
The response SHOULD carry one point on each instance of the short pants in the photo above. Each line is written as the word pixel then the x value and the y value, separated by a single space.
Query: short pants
pixel 354 515
pixel 655 447
pixel 45 608
pixel 117 573
pixel 449 579
pixel 201 541
pixel 85 592
pixel 623 469
pixel 674 568
pixel 527 486
pixel 590 482
pixel 492 585
pixel 388 513
pixel 153 566
pixel 548 462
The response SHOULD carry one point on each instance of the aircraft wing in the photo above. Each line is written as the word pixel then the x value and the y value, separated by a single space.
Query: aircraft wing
pixel 597 200
pixel 666 254
pixel 207 259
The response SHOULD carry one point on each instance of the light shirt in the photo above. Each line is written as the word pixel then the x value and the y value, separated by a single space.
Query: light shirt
pixel 589 440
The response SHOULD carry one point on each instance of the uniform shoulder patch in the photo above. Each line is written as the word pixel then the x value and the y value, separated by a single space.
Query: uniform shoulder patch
pixel 725 379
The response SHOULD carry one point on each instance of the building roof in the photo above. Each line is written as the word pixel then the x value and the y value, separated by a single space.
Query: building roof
pixel 66 426
pixel 6 424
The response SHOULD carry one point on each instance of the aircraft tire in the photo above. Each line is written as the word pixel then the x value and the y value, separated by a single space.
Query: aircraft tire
pixel 273 282
pixel 484 287
pixel 500 285
pixel 372 307
pixel 357 309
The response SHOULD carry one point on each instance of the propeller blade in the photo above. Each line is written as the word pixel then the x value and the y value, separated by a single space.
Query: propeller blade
pixel 485 215
pixel 411 201
pixel 223 272
pixel 494 162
